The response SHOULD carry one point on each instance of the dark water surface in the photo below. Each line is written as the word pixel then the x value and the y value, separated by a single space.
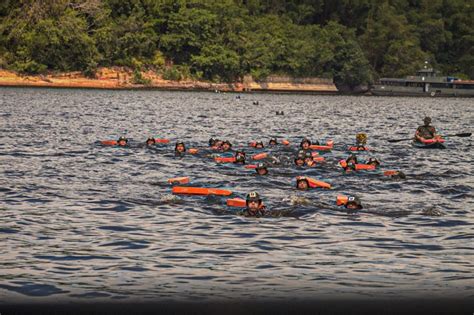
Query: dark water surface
pixel 80 221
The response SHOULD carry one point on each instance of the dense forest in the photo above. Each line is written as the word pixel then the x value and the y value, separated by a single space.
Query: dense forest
pixel 352 41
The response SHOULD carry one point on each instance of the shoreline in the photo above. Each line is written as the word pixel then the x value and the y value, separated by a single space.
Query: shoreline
pixel 122 79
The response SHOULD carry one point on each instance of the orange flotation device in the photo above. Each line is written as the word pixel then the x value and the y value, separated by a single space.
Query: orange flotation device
pixel 178 180
pixel 253 166
pixel 193 151
pixel 285 142
pixel 236 202
pixel 109 142
pixel 341 200
pixel 437 139
pixel 219 159
pixel 162 141
pixel 359 148
pixel 259 156
pixel 313 183
pixel 239 202
pixel 358 167
pixel 329 145
pixel 200 191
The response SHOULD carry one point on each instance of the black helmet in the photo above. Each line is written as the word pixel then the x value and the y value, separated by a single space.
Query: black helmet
pixel 354 200
pixel 299 157
pixel 122 139
pixel 253 196
pixel 273 141
pixel 305 140
pixel 228 142
pixel 427 120
pixel 150 139
pixel 261 166
pixel 259 143
pixel 212 141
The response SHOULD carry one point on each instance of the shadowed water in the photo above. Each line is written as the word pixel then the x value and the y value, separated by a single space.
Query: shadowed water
pixel 80 220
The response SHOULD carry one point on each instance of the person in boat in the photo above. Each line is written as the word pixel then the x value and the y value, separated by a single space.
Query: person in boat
pixel 361 139
pixel 122 141
pixel 150 141
pixel 239 157
pixel 273 141
pixel 261 169
pixel 226 146
pixel 179 148
pixel 373 161
pixel 259 145
pixel 425 131
pixel 299 160
pixel 302 183
pixel 254 205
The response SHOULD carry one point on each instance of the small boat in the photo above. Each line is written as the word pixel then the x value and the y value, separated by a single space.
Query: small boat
pixel 436 143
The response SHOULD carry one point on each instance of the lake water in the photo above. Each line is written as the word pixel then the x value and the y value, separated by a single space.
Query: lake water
pixel 81 221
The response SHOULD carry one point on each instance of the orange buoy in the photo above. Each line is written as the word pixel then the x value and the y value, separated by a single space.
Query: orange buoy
pixel 236 202
pixel 341 200
pixel 313 183
pixel 329 145
pixel 259 156
pixel 178 180
pixel 200 191
pixel 109 142
pixel 219 159
pixel 162 141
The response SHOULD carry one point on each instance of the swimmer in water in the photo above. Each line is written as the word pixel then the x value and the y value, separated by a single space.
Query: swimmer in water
pixel 305 144
pixel 226 146
pixel 302 183
pixel 179 148
pixel 261 169
pixel 150 141
pixel 273 141
pixel 122 141
pixel 299 160
pixel 373 161
pixel 259 145
pixel 239 157
pixel 254 206
pixel 353 203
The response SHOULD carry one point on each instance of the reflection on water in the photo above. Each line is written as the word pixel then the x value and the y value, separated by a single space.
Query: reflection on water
pixel 82 221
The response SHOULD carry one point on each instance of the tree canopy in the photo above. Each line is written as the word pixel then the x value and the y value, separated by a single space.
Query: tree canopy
pixel 352 41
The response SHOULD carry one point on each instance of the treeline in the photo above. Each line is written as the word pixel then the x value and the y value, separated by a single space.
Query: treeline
pixel 352 41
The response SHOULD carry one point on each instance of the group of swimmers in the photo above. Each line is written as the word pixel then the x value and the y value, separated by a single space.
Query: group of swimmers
pixel 304 157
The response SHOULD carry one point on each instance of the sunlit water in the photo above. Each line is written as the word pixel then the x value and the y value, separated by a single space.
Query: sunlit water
pixel 81 221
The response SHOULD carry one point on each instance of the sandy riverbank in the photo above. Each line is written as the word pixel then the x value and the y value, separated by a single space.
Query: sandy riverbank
pixel 120 78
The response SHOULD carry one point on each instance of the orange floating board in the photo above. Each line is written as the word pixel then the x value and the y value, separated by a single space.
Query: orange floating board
pixel 179 180
pixel 236 202
pixel 362 148
pixel 313 183
pixel 200 191
pixel 285 142
pixel 251 166
pixel 259 156
pixel 329 145
pixel 162 141
pixel 224 159
pixel 108 142
pixel 390 173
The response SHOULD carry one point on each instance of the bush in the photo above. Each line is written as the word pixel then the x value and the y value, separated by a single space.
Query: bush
pixel 172 74
pixel 139 79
